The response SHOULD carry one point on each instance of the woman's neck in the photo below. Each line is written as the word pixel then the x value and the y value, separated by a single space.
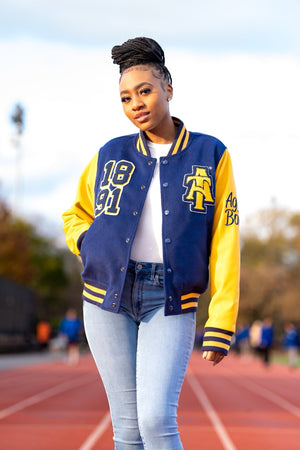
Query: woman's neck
pixel 164 133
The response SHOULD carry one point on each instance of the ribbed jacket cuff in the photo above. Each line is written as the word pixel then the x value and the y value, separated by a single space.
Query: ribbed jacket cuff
pixel 216 339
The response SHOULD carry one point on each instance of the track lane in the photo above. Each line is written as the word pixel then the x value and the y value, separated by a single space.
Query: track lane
pixel 61 416
pixel 97 433
pixel 238 404
pixel 252 420
pixel 43 395
pixel 217 424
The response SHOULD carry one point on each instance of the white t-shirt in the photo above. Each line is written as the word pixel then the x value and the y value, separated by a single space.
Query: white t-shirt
pixel 147 244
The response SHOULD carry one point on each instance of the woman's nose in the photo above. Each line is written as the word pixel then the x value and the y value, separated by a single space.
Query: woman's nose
pixel 137 102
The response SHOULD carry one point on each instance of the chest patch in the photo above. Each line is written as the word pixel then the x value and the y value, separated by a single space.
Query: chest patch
pixel 117 175
pixel 199 189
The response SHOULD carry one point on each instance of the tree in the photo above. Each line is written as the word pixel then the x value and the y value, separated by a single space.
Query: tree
pixel 270 284
pixel 34 261
pixel 14 250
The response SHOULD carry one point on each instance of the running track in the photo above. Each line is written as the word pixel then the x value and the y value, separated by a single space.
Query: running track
pixel 238 404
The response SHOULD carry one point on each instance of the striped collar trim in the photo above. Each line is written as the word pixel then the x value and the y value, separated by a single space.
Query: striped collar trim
pixel 179 143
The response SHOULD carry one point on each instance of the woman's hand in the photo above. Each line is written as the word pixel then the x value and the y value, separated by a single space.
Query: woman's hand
pixel 215 357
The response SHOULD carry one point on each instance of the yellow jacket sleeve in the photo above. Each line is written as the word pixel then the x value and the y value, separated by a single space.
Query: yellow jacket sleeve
pixel 79 217
pixel 224 261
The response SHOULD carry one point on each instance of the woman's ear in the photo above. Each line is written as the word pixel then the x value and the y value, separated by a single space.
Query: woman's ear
pixel 169 91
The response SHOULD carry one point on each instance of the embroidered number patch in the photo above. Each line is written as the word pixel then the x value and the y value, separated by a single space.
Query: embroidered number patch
pixel 116 175
pixel 199 190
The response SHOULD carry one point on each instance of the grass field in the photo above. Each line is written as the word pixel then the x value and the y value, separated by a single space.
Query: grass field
pixel 282 358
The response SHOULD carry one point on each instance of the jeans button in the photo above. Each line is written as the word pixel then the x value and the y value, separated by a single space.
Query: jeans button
pixel 139 266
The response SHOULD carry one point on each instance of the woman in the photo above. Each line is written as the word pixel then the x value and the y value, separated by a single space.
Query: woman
pixel 152 211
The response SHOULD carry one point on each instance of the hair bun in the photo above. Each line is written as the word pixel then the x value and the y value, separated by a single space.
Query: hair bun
pixel 140 50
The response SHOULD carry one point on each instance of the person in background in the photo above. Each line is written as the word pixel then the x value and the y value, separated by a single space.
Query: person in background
pixel 255 336
pixel 291 343
pixel 242 340
pixel 155 211
pixel 70 328
pixel 43 334
pixel 267 337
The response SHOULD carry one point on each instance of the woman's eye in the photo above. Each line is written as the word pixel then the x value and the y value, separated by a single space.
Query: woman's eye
pixel 145 91
pixel 125 99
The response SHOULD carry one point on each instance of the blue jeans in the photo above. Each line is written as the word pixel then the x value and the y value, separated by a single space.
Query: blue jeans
pixel 142 356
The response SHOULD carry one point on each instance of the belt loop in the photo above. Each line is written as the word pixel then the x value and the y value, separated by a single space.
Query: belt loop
pixel 153 272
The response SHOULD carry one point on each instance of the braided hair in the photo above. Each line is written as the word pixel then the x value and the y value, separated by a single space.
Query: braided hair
pixel 141 51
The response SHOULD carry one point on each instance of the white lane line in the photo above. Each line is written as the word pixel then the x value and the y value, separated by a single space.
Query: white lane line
pixel 97 433
pixel 44 395
pixel 210 411
pixel 271 396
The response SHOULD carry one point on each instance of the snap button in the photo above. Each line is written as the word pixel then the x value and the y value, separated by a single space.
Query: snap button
pixel 165 161
pixel 171 308
pixel 116 295
pixel 170 298
pixel 113 305
pixel 149 163
pixel 135 213
pixel 127 240
pixel 122 269
pixel 166 184
pixel 169 270
pixel 139 266
pixel 166 212
pixel 143 187
pixel 167 240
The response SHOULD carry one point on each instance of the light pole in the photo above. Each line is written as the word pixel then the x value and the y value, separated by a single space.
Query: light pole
pixel 17 119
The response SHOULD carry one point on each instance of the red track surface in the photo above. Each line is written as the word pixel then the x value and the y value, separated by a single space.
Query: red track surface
pixel 238 404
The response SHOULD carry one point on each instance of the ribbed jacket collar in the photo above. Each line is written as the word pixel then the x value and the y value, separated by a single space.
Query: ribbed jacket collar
pixel 179 143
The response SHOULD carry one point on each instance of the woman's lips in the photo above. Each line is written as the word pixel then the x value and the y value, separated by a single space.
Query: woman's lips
pixel 141 117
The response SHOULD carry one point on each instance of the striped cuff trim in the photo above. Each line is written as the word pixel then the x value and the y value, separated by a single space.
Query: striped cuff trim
pixel 93 293
pixel 190 301
pixel 216 339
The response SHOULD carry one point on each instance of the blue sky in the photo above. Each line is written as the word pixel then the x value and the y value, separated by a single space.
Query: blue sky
pixel 215 25
pixel 236 71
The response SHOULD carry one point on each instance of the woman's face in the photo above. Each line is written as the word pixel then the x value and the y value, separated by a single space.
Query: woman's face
pixel 145 98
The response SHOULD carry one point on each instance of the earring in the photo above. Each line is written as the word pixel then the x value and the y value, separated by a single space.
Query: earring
pixel 168 99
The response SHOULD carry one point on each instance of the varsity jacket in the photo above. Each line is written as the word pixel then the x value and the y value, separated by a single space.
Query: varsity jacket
pixel 199 228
